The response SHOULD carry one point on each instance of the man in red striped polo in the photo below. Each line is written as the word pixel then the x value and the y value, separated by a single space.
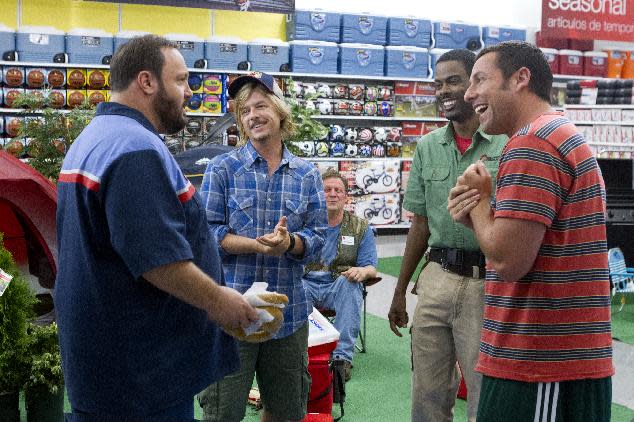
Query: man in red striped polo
pixel 546 347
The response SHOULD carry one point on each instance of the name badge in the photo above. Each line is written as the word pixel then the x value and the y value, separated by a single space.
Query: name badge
pixel 347 240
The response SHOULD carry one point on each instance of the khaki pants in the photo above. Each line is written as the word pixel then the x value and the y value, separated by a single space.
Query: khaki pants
pixel 445 329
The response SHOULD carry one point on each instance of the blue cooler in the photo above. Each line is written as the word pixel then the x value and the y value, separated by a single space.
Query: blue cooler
pixel 268 55
pixel 457 35
pixel 313 25
pixel 7 40
pixel 314 56
pixel 361 59
pixel 434 54
pixel 409 31
pixel 123 37
pixel 190 46
pixel 363 28
pixel 406 61
pixel 492 35
pixel 225 53
pixel 88 46
pixel 39 44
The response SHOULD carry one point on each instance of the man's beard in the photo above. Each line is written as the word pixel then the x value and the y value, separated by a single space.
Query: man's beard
pixel 169 112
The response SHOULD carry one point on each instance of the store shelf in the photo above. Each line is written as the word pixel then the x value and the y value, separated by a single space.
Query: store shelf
pixel 576 77
pixel 610 144
pixel 62 65
pixel 320 76
pixel 392 226
pixel 379 118
pixel 599 106
pixel 199 114
pixel 64 110
pixel 603 123
pixel 320 159
pixel 25 111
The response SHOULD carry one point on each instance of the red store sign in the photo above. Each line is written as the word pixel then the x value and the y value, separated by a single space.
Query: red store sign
pixel 588 19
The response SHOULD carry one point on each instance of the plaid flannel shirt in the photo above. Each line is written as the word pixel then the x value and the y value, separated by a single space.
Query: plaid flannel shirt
pixel 240 198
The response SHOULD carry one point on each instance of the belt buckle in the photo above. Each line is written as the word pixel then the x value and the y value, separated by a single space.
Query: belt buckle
pixel 455 257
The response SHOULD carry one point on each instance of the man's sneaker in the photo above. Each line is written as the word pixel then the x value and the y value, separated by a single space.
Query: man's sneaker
pixel 347 368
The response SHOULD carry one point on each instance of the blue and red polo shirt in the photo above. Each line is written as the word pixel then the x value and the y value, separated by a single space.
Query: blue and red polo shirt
pixel 125 208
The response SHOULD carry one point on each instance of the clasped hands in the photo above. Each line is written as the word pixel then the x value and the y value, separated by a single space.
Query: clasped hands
pixel 277 242
pixel 473 186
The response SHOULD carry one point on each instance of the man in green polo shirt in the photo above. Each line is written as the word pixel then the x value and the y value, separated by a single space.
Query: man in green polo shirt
pixel 448 317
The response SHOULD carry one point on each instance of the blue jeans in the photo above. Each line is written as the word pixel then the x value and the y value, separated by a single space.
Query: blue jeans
pixel 345 298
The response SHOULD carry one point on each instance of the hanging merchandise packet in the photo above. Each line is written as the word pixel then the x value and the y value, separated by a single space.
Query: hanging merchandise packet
pixel 5 279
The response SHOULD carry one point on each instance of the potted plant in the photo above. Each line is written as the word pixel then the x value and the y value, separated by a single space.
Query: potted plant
pixel 49 132
pixel 16 306
pixel 308 129
pixel 44 387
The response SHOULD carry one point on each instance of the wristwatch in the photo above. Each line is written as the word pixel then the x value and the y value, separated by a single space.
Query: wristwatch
pixel 292 244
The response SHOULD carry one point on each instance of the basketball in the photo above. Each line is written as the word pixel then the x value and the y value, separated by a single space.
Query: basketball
pixel 10 96
pixel 76 98
pixel 14 77
pixel 56 78
pixel 13 126
pixel 96 97
pixel 15 148
pixel 56 99
pixel 35 78
pixel 76 79
pixel 96 79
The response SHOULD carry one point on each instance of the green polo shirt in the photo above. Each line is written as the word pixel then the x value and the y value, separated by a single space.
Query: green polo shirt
pixel 436 166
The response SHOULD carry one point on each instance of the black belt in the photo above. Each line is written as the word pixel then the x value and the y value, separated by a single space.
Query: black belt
pixel 465 263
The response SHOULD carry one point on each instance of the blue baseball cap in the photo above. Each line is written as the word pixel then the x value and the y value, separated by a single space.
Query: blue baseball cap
pixel 263 79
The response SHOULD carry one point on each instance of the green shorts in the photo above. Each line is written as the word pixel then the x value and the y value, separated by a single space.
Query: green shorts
pixel 587 400
pixel 281 370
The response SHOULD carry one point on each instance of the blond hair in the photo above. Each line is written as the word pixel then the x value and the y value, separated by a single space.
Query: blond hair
pixel 287 125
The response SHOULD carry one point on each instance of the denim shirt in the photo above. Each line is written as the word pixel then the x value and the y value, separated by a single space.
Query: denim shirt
pixel 241 198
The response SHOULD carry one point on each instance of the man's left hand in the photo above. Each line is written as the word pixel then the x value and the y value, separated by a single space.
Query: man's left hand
pixel 276 242
pixel 476 176
pixel 354 274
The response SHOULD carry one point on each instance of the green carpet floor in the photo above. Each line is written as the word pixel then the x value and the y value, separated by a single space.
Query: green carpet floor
pixel 392 266
pixel 379 390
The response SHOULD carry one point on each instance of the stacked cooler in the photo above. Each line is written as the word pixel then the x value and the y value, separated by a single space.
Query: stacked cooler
pixel 229 53
pixel 7 42
pixel 40 44
pixel 492 35
pixel 319 57
pixel 123 37
pixel 89 46
pixel 268 55
pixel 191 47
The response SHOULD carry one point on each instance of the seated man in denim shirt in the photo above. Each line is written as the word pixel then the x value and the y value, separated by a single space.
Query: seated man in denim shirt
pixel 347 259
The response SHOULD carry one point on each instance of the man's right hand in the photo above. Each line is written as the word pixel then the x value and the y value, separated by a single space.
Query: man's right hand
pixel 461 201
pixel 398 314
pixel 231 309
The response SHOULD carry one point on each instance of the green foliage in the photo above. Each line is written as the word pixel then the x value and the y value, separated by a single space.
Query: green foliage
pixel 16 306
pixel 49 131
pixel 45 361
pixel 308 129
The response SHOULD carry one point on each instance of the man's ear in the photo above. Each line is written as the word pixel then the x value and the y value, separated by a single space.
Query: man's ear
pixel 147 82
pixel 522 78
